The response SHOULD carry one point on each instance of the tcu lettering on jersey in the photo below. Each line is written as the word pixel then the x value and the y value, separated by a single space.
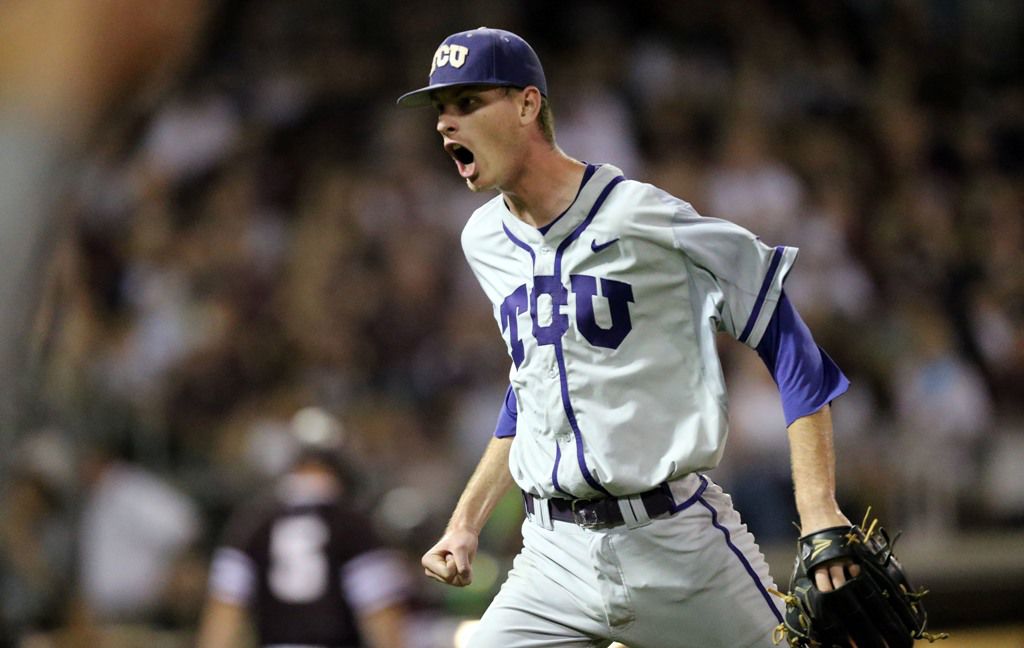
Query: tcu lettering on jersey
pixel 549 323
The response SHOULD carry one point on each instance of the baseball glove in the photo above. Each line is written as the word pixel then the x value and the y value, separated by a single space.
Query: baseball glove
pixel 875 609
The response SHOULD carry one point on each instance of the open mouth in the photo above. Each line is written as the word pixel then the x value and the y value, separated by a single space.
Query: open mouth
pixel 464 159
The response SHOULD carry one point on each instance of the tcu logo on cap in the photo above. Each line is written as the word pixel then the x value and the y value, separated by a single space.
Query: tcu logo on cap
pixel 453 55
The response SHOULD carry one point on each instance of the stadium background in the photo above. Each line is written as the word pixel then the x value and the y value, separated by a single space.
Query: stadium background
pixel 267 231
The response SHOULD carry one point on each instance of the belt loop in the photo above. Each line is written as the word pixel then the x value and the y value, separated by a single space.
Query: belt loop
pixel 634 513
pixel 542 513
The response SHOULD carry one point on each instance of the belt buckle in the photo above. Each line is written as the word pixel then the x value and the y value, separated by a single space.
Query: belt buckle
pixel 585 517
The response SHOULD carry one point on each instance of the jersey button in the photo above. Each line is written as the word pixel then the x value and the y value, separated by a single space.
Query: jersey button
pixel 545 250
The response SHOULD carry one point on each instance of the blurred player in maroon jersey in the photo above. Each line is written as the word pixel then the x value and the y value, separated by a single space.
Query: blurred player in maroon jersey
pixel 302 564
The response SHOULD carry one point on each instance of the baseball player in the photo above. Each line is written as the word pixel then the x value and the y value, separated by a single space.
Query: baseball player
pixel 608 293
pixel 302 565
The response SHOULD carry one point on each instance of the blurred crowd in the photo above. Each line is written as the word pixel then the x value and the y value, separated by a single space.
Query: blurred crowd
pixel 274 233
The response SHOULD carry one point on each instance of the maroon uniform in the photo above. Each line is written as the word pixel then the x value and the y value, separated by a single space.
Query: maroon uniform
pixel 306 565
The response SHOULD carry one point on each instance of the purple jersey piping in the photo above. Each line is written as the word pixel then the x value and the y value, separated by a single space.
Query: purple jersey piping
pixel 742 558
pixel 692 498
pixel 554 470
pixel 559 353
pixel 586 223
pixel 512 237
pixel 558 450
pixel 759 302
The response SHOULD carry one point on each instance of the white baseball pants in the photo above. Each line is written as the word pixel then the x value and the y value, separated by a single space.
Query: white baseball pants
pixel 694 579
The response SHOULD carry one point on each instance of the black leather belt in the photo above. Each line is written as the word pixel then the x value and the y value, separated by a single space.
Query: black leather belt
pixel 604 512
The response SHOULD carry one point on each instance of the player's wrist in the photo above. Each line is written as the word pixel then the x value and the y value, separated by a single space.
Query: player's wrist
pixel 460 526
pixel 821 520
pixel 820 513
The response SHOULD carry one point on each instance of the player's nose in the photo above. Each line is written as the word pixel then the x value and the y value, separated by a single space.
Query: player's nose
pixel 446 124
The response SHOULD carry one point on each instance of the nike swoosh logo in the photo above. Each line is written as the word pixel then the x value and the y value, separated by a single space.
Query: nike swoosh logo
pixel 597 248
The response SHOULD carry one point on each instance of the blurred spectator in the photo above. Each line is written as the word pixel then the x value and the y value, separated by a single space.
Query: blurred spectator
pixel 36 536
pixel 594 116
pixel 758 470
pixel 189 136
pixel 136 530
pixel 64 67
pixel 832 283
pixel 301 563
pixel 750 187
pixel 943 410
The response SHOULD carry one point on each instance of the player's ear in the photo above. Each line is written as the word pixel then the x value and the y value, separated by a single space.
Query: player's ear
pixel 529 104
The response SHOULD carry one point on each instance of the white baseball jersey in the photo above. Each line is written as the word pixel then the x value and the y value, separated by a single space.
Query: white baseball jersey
pixel 610 318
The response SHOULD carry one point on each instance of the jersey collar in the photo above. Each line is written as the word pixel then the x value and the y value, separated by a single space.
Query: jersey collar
pixel 571 218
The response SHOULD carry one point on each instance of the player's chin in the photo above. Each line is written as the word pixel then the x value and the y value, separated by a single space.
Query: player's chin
pixel 475 184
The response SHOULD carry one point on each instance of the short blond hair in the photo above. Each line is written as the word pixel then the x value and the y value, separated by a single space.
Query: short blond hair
pixel 546 120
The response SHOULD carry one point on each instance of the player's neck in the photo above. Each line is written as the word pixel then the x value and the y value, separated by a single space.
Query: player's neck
pixel 546 187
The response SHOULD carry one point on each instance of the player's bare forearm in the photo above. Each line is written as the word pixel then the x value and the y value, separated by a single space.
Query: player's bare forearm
pixel 485 488
pixel 450 560
pixel 814 485
pixel 814 482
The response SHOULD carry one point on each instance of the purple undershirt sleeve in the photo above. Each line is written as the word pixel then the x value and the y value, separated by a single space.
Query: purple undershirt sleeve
pixel 807 377
pixel 506 426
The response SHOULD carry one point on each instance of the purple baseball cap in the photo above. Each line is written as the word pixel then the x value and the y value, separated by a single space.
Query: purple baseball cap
pixel 481 56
